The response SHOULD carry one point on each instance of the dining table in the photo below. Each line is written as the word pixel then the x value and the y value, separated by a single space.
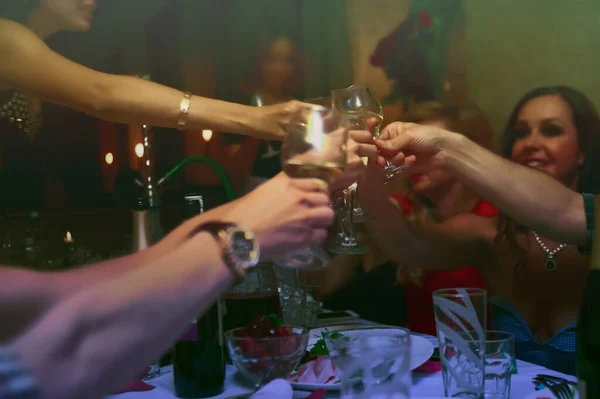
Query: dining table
pixel 425 385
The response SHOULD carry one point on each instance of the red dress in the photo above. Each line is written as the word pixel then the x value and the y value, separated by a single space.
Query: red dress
pixel 419 299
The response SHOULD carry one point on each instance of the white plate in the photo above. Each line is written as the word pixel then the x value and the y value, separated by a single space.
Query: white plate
pixel 421 350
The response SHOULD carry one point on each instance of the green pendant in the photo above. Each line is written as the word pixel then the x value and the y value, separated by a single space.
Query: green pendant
pixel 550 265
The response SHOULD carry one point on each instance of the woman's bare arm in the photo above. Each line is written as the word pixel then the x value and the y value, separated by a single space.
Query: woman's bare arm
pixel 532 198
pixel 29 65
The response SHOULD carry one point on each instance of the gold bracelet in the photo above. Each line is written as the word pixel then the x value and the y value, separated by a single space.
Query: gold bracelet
pixel 184 109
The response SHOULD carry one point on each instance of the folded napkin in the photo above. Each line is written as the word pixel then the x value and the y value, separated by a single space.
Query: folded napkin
pixel 276 389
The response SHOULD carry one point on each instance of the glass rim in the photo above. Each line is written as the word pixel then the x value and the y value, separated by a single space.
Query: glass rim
pixel 358 86
pixel 503 336
pixel 459 292
pixel 229 334
pixel 368 328
pixel 309 100
pixel 507 336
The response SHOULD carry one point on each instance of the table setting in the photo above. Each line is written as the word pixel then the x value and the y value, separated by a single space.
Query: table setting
pixel 425 376
pixel 277 346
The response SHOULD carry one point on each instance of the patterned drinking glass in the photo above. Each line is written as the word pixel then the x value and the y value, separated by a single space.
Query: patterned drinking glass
pixel 460 318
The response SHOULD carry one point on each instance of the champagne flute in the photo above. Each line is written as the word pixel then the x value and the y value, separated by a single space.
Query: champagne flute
pixel 315 146
pixel 358 104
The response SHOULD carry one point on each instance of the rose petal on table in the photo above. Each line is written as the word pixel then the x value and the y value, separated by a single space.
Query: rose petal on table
pixel 318 394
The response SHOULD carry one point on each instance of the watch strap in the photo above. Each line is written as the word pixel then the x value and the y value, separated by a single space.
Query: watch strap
pixel 219 232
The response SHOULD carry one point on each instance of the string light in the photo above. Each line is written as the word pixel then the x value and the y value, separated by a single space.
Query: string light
pixel 207 135
pixel 109 158
pixel 139 150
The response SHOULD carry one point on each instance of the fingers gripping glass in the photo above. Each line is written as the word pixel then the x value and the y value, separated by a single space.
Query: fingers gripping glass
pixel 315 146
pixel 349 215
pixel 358 104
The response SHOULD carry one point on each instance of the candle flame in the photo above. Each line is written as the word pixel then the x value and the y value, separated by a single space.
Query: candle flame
pixel 68 237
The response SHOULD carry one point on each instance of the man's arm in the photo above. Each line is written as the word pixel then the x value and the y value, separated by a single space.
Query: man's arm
pixel 94 342
pixel 285 214
pixel 27 294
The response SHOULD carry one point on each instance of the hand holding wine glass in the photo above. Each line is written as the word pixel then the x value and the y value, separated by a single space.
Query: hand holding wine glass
pixel 285 214
pixel 315 147
pixel 363 112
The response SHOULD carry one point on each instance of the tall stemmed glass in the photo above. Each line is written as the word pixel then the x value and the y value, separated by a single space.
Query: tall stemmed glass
pixel 358 104
pixel 315 146
pixel 344 203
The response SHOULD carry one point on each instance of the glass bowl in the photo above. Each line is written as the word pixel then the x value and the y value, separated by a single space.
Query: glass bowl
pixel 262 360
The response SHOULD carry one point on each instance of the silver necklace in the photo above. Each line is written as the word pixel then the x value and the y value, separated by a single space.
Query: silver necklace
pixel 550 264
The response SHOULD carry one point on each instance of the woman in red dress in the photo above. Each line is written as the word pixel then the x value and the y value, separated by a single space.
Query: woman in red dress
pixel 435 197
pixel 365 283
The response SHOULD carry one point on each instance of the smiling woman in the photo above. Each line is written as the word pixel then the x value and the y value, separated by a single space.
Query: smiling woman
pixel 554 129
pixel 552 114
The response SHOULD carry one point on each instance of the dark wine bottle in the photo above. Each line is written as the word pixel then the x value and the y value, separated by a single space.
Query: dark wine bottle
pixel 588 336
pixel 588 325
pixel 198 363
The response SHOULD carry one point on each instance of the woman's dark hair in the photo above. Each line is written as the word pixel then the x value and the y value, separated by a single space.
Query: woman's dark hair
pixel 18 10
pixel 587 124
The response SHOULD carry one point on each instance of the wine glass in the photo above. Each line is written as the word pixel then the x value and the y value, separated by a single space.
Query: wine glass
pixel 315 146
pixel 358 104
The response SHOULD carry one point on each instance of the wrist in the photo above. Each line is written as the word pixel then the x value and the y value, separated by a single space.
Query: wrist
pixel 452 146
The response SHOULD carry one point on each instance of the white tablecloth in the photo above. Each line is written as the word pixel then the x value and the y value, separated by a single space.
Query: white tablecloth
pixel 424 385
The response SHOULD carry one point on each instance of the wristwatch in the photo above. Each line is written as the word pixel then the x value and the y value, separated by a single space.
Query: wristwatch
pixel 239 247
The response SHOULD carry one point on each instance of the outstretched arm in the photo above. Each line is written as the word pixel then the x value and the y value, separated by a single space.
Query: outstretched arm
pixel 94 342
pixel 534 199
pixel 29 65
pixel 528 196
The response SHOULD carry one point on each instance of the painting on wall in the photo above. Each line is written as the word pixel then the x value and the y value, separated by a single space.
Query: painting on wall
pixel 414 54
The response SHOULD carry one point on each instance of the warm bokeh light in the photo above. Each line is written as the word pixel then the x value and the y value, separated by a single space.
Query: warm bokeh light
pixel 109 158
pixel 207 135
pixel 139 150
pixel 68 237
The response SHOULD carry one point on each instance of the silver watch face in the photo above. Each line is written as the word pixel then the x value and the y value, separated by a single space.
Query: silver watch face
pixel 243 247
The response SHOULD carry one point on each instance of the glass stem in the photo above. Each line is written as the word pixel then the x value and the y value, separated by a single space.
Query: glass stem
pixel 348 219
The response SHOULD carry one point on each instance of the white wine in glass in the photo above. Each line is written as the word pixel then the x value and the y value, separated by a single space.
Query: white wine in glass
pixel 315 146
pixel 301 169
